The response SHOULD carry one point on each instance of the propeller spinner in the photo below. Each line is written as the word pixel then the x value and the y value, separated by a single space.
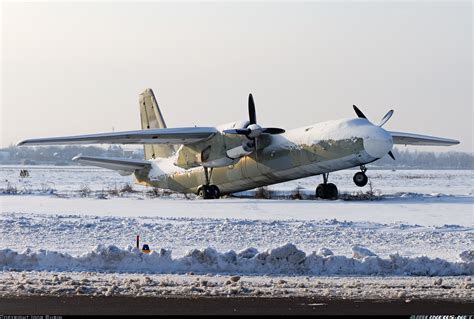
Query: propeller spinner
pixel 253 130
pixel 382 122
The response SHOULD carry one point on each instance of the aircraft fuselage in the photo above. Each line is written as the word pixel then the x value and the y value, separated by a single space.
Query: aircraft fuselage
pixel 311 150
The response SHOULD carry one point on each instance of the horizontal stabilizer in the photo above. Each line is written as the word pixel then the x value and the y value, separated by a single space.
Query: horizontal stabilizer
pixel 126 166
pixel 181 135
pixel 417 139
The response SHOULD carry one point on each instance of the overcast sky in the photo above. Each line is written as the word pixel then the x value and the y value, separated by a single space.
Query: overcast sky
pixel 76 68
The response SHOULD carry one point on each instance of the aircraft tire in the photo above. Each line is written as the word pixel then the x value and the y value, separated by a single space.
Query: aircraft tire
pixel 321 191
pixel 327 191
pixel 332 191
pixel 209 192
pixel 203 192
pixel 215 192
pixel 360 179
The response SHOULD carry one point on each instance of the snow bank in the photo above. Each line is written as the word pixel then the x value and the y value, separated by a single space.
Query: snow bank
pixel 286 259
pixel 359 252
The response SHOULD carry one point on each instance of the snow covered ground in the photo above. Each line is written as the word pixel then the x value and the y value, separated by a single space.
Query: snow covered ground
pixel 76 234
pixel 72 178
pixel 48 226
pixel 287 260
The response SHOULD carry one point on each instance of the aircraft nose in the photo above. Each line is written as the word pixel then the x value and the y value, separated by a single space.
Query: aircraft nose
pixel 378 143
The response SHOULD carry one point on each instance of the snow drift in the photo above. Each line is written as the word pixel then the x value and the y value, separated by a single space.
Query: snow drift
pixel 286 259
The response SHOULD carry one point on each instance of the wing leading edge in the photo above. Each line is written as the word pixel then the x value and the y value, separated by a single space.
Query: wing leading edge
pixel 417 139
pixel 182 135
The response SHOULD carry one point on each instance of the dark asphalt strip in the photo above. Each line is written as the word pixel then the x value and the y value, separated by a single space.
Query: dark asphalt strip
pixel 121 305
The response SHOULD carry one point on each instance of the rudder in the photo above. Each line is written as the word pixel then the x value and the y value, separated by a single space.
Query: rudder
pixel 151 118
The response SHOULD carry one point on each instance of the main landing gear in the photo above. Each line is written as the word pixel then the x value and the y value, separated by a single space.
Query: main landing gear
pixel 208 191
pixel 360 179
pixel 329 191
pixel 326 190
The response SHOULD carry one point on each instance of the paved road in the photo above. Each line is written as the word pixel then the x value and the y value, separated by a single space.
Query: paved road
pixel 118 305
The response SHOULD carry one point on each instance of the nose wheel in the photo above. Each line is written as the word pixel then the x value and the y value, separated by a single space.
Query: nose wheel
pixel 360 179
pixel 327 190
pixel 208 191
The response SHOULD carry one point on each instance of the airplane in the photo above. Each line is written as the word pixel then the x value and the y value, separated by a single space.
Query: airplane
pixel 242 155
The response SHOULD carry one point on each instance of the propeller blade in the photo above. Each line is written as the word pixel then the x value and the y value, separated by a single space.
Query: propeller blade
pixel 240 131
pixel 359 112
pixel 252 114
pixel 273 130
pixel 386 118
pixel 391 155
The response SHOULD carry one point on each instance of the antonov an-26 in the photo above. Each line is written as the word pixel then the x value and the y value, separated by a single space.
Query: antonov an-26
pixel 213 161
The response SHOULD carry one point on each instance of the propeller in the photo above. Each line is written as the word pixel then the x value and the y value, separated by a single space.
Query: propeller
pixel 253 130
pixel 386 118
pixel 391 155
pixel 382 122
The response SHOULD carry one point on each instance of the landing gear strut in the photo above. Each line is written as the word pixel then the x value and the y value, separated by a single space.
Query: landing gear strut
pixel 326 190
pixel 360 179
pixel 208 191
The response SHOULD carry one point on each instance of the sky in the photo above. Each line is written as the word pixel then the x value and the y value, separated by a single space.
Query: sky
pixel 74 68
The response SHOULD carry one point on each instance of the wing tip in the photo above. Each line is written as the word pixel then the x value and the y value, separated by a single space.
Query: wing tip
pixel 21 143
pixel 451 142
pixel 419 139
pixel 76 158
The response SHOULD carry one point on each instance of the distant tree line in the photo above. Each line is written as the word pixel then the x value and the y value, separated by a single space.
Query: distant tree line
pixel 415 159
pixel 62 155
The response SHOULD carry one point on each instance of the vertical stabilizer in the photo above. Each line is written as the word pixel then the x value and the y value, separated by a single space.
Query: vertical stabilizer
pixel 151 117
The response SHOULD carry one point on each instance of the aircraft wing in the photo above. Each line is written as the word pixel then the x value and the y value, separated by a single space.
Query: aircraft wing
pixel 126 166
pixel 417 139
pixel 181 135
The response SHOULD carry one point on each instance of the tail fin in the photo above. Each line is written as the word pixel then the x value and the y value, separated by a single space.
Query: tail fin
pixel 151 117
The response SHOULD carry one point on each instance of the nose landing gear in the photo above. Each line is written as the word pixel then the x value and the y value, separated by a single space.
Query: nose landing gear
pixel 360 179
pixel 327 190
pixel 208 191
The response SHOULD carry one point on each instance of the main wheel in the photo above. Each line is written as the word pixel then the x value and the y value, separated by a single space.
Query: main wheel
pixel 332 191
pixel 204 192
pixel 360 179
pixel 215 192
pixel 327 191
pixel 209 192
pixel 321 191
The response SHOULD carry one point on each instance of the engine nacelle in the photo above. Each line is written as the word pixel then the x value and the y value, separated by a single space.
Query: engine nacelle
pixel 240 151
pixel 219 151
pixel 232 156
